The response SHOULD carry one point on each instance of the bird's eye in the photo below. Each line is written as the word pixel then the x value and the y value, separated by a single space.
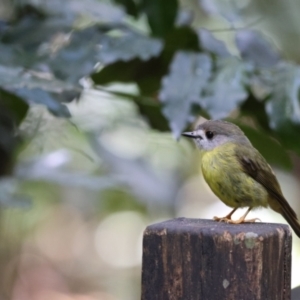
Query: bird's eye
pixel 209 134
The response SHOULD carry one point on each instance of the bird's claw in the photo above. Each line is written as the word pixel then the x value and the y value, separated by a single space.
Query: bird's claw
pixel 239 221
pixel 224 219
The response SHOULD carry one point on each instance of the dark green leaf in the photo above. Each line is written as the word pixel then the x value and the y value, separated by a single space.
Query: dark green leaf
pixel 209 43
pixel 12 111
pixel 146 74
pixel 8 55
pixel 226 91
pixel 254 47
pixel 181 88
pixel 7 152
pixel 14 106
pixel 256 110
pixel 288 135
pixel 181 38
pixel 118 72
pixel 153 116
pixel 9 140
pixel 128 46
pixel 161 15
pixel 130 6
pixel 283 105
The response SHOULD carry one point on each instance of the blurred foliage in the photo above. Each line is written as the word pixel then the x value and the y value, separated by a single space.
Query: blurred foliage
pixel 50 52
pixel 53 51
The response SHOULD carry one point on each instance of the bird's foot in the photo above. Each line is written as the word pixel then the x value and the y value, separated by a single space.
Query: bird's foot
pixel 223 219
pixel 239 221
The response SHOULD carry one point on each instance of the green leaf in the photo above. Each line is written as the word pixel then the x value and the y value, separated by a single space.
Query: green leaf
pixel 12 78
pixel 226 91
pixel 27 40
pixel 100 11
pixel 261 83
pixel 283 105
pixel 181 88
pixel 254 47
pixel 161 15
pixel 128 46
pixel 39 96
pixel 78 57
pixel 83 49
pixel 209 43
pixel 184 17
pixel 32 87
pixel 231 10
pixel 52 45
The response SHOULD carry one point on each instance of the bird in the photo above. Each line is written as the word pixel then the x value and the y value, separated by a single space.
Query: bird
pixel 237 173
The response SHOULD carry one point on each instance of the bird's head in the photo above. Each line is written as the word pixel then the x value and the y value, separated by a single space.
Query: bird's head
pixel 214 133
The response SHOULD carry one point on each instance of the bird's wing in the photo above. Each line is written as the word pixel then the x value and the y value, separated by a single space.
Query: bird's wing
pixel 257 167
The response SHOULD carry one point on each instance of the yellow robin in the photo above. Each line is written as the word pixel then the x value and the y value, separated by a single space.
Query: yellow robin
pixel 237 173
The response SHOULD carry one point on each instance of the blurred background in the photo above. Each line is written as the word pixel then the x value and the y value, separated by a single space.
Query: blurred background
pixel 93 98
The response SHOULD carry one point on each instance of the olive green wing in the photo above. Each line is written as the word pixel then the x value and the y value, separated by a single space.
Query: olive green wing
pixel 254 164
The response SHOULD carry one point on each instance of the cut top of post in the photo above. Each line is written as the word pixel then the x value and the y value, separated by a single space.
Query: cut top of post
pixel 195 226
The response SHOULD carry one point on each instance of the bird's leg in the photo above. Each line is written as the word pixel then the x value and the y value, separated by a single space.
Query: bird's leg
pixel 242 218
pixel 227 218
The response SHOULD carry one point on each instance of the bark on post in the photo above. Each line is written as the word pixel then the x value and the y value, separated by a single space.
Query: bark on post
pixel 193 259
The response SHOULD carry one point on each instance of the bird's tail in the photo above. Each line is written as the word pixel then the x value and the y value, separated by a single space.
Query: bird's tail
pixel 288 213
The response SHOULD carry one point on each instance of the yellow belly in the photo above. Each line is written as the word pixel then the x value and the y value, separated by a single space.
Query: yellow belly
pixel 224 174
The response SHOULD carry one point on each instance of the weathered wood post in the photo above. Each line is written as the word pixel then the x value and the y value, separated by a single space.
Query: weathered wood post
pixel 193 259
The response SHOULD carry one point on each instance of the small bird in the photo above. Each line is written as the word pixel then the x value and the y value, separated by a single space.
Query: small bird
pixel 237 173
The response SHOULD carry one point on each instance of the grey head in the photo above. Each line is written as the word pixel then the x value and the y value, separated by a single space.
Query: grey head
pixel 214 133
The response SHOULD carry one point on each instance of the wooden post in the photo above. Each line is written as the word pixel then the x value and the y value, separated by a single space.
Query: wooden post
pixel 193 259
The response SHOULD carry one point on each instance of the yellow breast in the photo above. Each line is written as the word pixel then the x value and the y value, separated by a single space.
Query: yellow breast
pixel 225 176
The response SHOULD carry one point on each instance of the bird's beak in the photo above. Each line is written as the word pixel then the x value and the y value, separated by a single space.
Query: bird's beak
pixel 191 134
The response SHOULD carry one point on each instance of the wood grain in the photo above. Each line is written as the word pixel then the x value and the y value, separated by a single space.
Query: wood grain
pixel 195 259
